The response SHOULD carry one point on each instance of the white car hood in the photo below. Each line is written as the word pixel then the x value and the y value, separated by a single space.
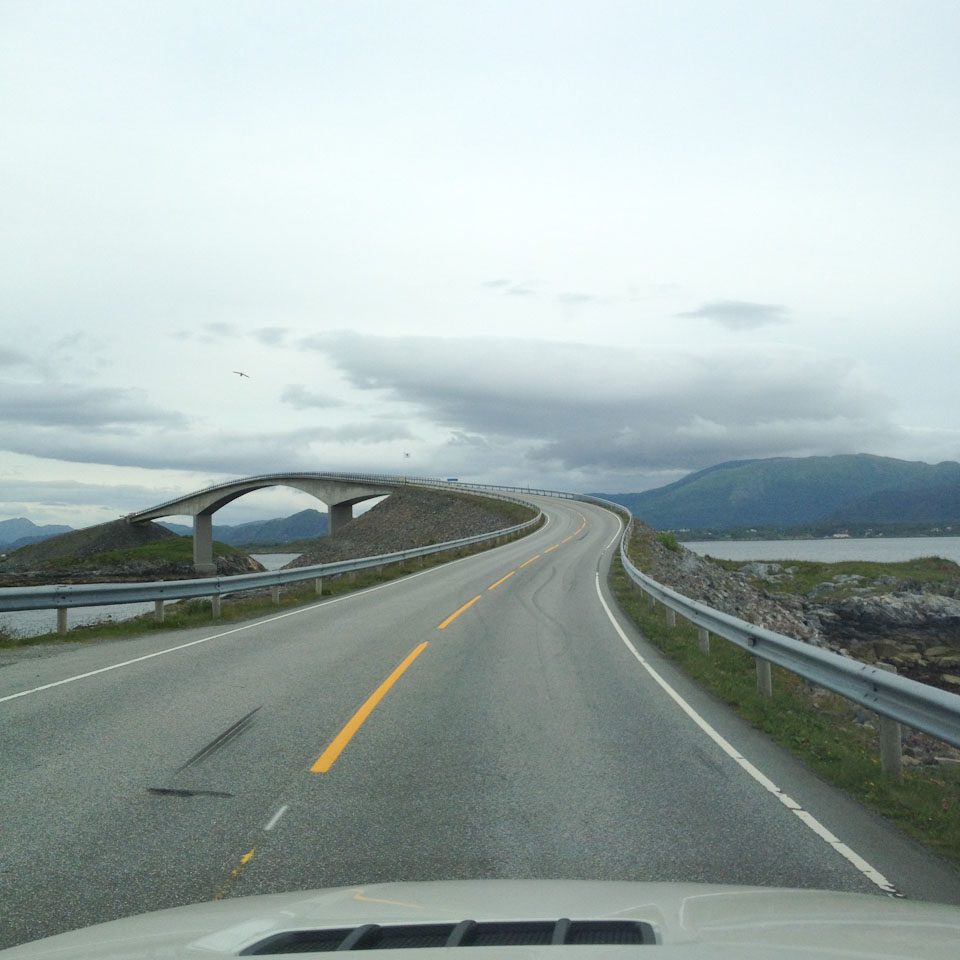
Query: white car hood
pixel 688 920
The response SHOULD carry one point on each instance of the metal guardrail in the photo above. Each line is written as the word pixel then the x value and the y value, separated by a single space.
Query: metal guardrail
pixel 62 596
pixel 918 705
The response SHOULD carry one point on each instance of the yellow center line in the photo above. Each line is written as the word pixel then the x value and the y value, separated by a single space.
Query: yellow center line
pixel 554 547
pixel 565 539
pixel 522 565
pixel 225 889
pixel 327 758
pixel 453 616
pixel 493 586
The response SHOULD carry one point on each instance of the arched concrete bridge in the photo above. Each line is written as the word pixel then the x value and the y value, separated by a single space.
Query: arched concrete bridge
pixel 338 491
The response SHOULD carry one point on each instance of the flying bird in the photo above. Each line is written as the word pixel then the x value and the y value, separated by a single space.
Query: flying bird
pixel 240 373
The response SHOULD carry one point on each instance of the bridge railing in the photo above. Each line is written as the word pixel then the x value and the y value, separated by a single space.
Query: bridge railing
pixel 382 479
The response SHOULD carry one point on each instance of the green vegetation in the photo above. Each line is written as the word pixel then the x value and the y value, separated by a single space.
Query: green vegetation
pixel 176 550
pixel 197 613
pixel 815 725
pixel 669 541
pixel 801 576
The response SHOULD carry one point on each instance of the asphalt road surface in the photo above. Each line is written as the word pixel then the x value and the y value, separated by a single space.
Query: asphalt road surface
pixel 483 719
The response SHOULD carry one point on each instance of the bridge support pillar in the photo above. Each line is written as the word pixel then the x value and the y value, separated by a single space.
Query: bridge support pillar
pixel 203 544
pixel 340 514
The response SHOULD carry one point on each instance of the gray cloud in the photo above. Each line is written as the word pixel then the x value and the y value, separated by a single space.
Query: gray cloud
pixel 227 452
pixel 66 493
pixel 597 409
pixel 271 336
pixel 300 398
pixel 13 358
pixel 738 314
pixel 577 299
pixel 71 405
pixel 510 288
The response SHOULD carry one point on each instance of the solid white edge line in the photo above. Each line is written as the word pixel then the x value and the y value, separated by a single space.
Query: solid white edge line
pixel 873 875
pixel 617 534
pixel 275 819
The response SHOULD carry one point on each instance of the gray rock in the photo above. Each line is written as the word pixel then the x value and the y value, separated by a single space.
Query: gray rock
pixel 843 578
pixel 762 571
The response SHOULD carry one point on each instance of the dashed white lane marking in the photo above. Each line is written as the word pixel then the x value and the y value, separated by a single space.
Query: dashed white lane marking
pixel 275 819
pixel 872 874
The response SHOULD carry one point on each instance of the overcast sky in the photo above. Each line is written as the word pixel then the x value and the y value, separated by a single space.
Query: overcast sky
pixel 585 245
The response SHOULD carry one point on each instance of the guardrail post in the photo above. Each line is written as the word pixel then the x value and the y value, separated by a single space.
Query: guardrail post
pixel 703 639
pixel 318 583
pixel 158 611
pixel 764 678
pixel 61 619
pixel 891 744
pixel 671 617
pixel 215 605
pixel 652 600
pixel 275 593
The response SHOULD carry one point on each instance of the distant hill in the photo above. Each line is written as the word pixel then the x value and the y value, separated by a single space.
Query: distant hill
pixel 20 531
pixel 797 491
pixel 304 525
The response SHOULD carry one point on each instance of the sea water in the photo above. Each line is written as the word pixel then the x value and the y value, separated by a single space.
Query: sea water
pixel 878 549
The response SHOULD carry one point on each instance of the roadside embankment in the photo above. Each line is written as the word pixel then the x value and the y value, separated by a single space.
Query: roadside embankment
pixel 904 614
pixel 413 517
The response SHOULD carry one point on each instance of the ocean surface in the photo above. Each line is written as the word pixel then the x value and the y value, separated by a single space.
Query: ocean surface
pixel 879 549
pixel 35 623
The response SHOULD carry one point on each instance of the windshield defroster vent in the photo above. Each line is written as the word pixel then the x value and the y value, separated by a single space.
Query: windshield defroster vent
pixel 468 933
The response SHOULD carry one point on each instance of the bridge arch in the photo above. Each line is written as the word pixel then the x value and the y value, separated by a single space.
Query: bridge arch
pixel 339 492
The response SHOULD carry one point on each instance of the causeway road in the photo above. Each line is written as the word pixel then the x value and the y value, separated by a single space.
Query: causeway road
pixel 493 717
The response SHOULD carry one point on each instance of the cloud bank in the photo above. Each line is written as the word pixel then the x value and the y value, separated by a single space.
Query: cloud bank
pixel 601 411
pixel 738 314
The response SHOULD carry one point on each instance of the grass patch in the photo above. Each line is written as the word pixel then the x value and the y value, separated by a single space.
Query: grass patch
pixel 252 604
pixel 816 726
pixel 174 551
pixel 799 577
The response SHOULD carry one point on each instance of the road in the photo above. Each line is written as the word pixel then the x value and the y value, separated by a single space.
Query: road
pixel 482 719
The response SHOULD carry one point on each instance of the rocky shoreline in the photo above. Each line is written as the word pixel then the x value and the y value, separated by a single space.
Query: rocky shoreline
pixel 912 626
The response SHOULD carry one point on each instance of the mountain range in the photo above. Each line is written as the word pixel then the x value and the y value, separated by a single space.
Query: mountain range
pixel 786 492
pixel 299 526
pixel 19 532
pixel 776 493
